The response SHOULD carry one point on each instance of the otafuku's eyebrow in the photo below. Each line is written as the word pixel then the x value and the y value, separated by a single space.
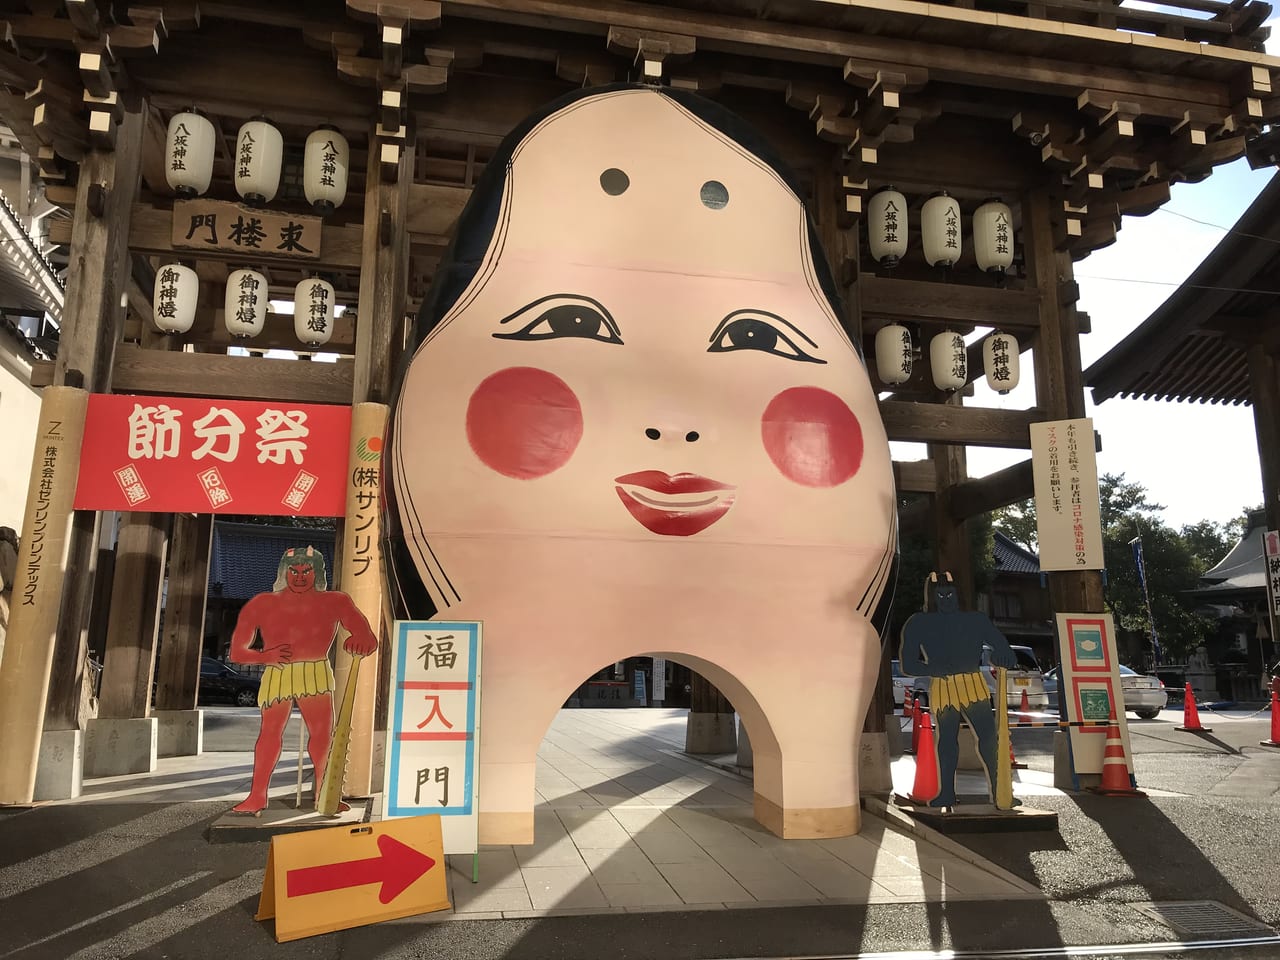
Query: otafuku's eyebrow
pixel 748 312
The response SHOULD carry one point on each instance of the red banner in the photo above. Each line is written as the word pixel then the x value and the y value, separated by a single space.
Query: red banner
pixel 193 455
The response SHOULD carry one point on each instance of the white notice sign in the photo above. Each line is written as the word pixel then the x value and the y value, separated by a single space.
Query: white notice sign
pixel 434 728
pixel 1068 515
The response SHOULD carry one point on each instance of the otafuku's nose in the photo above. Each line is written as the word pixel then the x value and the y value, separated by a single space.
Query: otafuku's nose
pixel 687 436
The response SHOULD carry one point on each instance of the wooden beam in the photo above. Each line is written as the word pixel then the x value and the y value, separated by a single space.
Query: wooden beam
pixel 943 423
pixel 178 673
pixel 134 620
pixel 952 550
pixel 242 378
pixel 917 300
pixel 979 495
pixel 383 271
pixel 914 476
pixel 151 231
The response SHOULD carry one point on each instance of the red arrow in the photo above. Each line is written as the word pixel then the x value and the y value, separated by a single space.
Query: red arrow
pixel 396 869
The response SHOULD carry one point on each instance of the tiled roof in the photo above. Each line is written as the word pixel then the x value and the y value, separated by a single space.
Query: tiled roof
pixel 245 556
pixel 1012 558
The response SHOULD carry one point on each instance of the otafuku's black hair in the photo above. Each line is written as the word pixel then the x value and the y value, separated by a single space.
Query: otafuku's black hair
pixel 462 261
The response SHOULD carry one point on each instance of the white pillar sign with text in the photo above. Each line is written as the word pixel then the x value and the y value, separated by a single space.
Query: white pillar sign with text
pixel 1068 515
pixel 434 730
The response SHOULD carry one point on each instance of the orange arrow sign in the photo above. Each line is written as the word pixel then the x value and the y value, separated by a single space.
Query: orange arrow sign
pixel 398 866
pixel 337 877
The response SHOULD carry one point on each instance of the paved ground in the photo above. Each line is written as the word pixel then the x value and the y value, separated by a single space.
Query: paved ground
pixel 132 875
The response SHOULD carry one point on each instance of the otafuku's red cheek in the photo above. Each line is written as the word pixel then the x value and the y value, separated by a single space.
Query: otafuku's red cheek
pixel 524 422
pixel 812 437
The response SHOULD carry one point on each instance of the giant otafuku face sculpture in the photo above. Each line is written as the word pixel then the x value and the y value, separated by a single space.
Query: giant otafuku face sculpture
pixel 633 425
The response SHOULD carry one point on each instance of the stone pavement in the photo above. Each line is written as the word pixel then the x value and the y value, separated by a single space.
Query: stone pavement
pixel 626 822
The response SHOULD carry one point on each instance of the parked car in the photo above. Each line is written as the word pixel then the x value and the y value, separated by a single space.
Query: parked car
pixel 1143 695
pixel 225 684
pixel 902 683
pixel 1024 675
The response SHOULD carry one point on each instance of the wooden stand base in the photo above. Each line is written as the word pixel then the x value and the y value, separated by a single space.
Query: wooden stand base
pixel 978 817
pixel 281 816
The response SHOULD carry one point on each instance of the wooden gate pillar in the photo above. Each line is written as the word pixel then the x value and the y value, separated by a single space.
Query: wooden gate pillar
pixel 1059 379
pixel 134 619
pixel 93 314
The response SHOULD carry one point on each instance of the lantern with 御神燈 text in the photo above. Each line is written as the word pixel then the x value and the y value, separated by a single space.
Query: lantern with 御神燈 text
pixel 893 354
pixel 174 298
pixel 940 230
pixel 259 155
pixel 245 308
pixel 887 227
pixel 993 236
pixel 324 169
pixel 1000 361
pixel 188 154
pixel 949 361
pixel 313 302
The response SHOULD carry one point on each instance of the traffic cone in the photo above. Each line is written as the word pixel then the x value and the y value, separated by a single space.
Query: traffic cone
pixel 1275 723
pixel 926 785
pixel 1190 715
pixel 916 714
pixel 1014 762
pixel 1025 705
pixel 1115 771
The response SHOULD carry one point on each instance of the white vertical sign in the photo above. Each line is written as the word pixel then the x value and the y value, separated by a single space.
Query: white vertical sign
pixel 1271 547
pixel 659 678
pixel 434 730
pixel 1068 512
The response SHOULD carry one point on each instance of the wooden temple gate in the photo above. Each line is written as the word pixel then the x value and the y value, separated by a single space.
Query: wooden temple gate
pixel 1073 112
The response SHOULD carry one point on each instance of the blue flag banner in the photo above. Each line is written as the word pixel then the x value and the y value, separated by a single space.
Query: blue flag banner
pixel 1136 544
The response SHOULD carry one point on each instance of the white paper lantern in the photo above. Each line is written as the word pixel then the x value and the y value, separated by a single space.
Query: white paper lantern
pixel 940 233
pixel 993 236
pixel 893 353
pixel 174 298
pixel 324 169
pixel 313 301
pixel 887 226
pixel 188 154
pixel 1000 361
pixel 949 361
pixel 259 154
pixel 245 308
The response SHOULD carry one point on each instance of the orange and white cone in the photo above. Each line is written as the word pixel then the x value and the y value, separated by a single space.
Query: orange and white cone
pixel 1115 770
pixel 1025 706
pixel 1190 715
pixel 916 714
pixel 1014 762
pixel 1275 723
pixel 927 784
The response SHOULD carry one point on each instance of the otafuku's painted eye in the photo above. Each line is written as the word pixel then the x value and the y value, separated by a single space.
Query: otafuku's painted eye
pixel 763 331
pixel 563 315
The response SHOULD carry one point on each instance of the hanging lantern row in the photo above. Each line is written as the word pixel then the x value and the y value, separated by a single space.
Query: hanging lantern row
pixel 189 150
pixel 941 232
pixel 177 294
pixel 948 358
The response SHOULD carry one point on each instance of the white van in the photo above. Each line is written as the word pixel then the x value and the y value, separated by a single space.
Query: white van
pixel 1025 676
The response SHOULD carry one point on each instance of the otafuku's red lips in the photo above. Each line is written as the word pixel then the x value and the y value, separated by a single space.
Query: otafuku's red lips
pixel 660 482
pixel 669 504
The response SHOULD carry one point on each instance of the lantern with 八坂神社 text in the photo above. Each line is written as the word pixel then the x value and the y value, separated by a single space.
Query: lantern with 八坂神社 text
pixel 324 169
pixel 940 230
pixel 887 225
pixel 188 154
pixel 259 155
pixel 993 236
